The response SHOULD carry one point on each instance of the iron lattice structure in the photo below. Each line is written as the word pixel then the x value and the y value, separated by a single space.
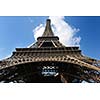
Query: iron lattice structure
pixel 48 60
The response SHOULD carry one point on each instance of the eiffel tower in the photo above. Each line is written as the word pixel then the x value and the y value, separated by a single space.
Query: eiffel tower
pixel 49 61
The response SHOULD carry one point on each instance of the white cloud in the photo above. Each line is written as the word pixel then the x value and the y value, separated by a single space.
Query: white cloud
pixel 38 31
pixel 62 29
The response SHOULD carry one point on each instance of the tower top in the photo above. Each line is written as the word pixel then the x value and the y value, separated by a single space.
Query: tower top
pixel 48 31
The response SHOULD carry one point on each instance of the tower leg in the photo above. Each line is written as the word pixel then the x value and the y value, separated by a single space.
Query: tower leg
pixel 63 79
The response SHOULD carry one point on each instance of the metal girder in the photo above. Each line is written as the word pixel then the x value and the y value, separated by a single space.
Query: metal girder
pixel 66 59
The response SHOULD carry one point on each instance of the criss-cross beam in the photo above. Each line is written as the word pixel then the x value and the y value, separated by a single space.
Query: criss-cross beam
pixel 65 58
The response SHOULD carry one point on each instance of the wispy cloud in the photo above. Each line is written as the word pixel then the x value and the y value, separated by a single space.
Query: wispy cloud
pixel 38 31
pixel 62 29
pixel 4 54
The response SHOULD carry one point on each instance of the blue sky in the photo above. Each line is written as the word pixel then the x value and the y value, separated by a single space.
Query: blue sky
pixel 18 32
